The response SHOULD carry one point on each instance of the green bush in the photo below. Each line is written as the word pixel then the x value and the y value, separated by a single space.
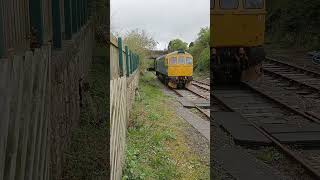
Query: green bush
pixel 200 50
pixel 294 23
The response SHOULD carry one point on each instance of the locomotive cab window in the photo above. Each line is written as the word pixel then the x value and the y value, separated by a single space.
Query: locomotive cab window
pixel 253 4
pixel 229 4
pixel 189 60
pixel 173 60
pixel 181 60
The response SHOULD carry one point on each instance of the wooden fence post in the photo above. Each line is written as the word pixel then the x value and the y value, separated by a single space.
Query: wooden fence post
pixel 86 14
pixel 56 24
pixel 68 18
pixel 131 62
pixel 36 18
pixel 127 61
pixel 78 14
pixel 135 62
pixel 74 16
pixel 120 56
pixel 1 30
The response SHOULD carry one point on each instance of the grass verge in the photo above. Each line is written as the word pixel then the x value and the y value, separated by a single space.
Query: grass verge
pixel 201 75
pixel 156 144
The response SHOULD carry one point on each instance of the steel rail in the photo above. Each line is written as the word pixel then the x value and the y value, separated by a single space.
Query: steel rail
pixel 293 66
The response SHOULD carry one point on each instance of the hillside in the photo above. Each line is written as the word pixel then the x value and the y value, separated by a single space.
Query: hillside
pixel 294 23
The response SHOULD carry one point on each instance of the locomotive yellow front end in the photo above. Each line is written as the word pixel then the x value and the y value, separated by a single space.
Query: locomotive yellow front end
pixel 236 39
pixel 180 69
pixel 175 69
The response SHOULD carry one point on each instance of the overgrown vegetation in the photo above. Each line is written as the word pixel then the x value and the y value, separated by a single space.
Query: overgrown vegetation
pixel 269 155
pixel 156 145
pixel 177 44
pixel 294 23
pixel 140 42
pixel 87 156
pixel 200 50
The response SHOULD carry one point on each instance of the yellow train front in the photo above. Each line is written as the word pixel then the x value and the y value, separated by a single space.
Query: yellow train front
pixel 236 39
pixel 175 69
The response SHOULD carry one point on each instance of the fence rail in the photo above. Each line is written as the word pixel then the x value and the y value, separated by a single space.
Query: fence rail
pixel 124 68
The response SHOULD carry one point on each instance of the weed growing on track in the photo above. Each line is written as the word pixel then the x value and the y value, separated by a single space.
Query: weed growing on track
pixel 269 155
pixel 156 144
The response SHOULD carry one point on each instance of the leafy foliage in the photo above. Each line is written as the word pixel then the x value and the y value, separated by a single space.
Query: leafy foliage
pixel 200 50
pixel 294 22
pixel 177 44
pixel 140 42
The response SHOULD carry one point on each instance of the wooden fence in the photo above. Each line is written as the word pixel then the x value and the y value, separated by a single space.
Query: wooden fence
pixel 40 105
pixel 124 70
pixel 25 115
pixel 40 96
pixel 69 70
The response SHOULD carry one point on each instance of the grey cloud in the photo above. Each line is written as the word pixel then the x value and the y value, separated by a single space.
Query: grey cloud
pixel 164 19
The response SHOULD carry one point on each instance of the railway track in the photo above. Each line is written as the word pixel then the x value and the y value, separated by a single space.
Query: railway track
pixel 199 94
pixel 259 109
pixel 275 99
pixel 306 79
pixel 296 87
pixel 289 95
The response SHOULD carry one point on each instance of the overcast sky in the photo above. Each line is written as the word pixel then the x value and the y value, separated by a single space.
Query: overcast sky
pixel 163 19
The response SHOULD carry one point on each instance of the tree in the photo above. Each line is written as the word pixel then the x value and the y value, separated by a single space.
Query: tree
pixel 201 50
pixel 191 45
pixel 140 42
pixel 177 44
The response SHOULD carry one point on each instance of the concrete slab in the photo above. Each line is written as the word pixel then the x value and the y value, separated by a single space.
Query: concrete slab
pixel 202 104
pixel 198 123
pixel 239 128
pixel 269 120
pixel 205 111
pixel 287 128
pixel 301 138
pixel 242 166
pixel 185 102
pixel 293 134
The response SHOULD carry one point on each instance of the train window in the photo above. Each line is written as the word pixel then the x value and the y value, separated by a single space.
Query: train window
pixel 189 60
pixel 173 60
pixel 253 4
pixel 181 60
pixel 229 4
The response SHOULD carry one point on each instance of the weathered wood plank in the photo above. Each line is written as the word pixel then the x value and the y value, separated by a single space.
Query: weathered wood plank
pixel 34 125
pixel 5 78
pixel 40 134
pixel 29 74
pixel 15 117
